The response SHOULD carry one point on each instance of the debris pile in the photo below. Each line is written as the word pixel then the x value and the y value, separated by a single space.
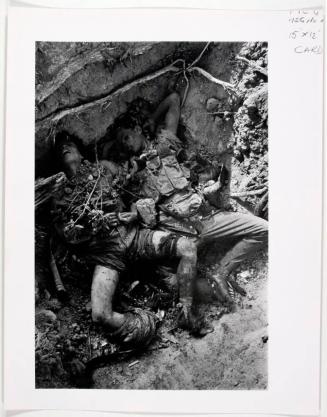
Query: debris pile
pixel 85 201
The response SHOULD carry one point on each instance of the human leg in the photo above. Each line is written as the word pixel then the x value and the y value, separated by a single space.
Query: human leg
pixel 185 250
pixel 137 327
pixel 104 285
pixel 167 245
pixel 252 235
pixel 251 231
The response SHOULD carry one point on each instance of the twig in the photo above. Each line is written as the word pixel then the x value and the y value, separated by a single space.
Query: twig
pixel 87 201
pixel 186 88
pixel 199 57
pixel 126 191
pixel 78 193
pixel 253 65
pixel 262 204
pixel 56 276
pixel 245 204
pixel 221 113
pixel 133 363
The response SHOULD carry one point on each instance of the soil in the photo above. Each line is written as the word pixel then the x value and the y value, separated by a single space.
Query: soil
pixel 234 355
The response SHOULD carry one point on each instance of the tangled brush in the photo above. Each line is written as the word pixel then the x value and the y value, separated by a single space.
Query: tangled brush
pixel 83 205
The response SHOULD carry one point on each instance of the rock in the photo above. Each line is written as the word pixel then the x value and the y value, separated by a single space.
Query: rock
pixel 212 104
pixel 65 314
pixel 54 304
pixel 257 103
pixel 264 339
pixel 88 307
pixel 44 319
pixel 245 274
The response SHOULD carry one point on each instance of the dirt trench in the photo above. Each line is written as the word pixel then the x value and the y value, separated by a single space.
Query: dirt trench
pixel 74 92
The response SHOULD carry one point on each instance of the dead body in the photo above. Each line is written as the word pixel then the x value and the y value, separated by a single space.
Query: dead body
pixel 128 242
pixel 114 246
pixel 182 208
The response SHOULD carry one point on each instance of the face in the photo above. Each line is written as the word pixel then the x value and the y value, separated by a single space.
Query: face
pixel 131 140
pixel 69 157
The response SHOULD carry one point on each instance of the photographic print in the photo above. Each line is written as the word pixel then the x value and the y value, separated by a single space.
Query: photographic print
pixel 151 215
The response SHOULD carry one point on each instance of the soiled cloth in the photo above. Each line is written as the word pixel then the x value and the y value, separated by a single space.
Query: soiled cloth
pixel 142 247
pixel 125 246
pixel 107 249
pixel 163 175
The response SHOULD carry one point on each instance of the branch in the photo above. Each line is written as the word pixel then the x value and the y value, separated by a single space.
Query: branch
pixel 253 65
pixel 56 276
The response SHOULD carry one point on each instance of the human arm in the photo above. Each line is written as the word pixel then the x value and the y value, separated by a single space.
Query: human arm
pixel 169 108
pixel 125 217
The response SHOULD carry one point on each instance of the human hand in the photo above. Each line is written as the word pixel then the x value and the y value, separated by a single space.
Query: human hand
pixel 112 219
pixel 127 217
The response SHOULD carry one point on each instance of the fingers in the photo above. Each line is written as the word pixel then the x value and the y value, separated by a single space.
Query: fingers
pixel 124 217
pixel 127 217
pixel 113 223
pixel 112 219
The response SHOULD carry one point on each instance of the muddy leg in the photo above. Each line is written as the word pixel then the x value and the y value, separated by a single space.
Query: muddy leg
pixel 104 285
pixel 186 270
pixel 187 275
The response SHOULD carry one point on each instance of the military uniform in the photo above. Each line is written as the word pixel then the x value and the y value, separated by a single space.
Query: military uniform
pixel 183 209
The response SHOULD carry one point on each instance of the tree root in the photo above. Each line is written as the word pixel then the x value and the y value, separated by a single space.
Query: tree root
pixel 54 118
pixel 103 101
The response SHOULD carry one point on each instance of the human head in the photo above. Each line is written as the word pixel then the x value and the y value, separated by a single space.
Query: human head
pixel 67 153
pixel 131 141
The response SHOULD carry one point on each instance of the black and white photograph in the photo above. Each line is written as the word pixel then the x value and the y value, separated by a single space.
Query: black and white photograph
pixel 151 215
